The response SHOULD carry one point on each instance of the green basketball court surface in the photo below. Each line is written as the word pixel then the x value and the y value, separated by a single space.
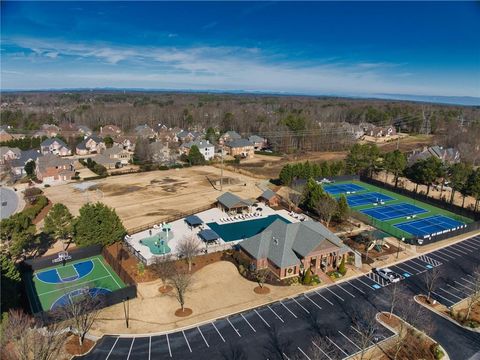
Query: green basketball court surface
pixel 51 287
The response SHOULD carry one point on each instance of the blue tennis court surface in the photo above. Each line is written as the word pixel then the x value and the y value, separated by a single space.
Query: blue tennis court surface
pixel 388 212
pixel 433 225
pixel 368 198
pixel 342 188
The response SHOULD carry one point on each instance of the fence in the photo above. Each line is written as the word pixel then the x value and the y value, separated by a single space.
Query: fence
pixel 116 263
pixel 111 298
pixel 475 226
pixel 177 215
pixel 475 215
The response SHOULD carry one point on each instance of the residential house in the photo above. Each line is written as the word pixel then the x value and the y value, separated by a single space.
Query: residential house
pixel 288 249
pixel 50 130
pixel 5 136
pixel 69 130
pixel 8 154
pixel 54 146
pixel 84 130
pixel 232 204
pixel 269 197
pixel 160 153
pixel 206 148
pixel 18 165
pixel 52 169
pixel 91 145
pixel 119 154
pixel 145 131
pixel 229 136
pixel 125 141
pixel 240 147
pixel 167 136
pixel 446 156
pixel 258 142
pixel 186 136
pixel 110 130
pixel 380 131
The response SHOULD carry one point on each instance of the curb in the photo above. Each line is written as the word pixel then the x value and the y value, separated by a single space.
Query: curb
pixel 445 357
pixel 445 316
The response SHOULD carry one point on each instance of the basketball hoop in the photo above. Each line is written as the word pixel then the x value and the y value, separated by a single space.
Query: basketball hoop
pixel 62 256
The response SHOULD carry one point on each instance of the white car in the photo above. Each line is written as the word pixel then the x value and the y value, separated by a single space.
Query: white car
pixel 388 275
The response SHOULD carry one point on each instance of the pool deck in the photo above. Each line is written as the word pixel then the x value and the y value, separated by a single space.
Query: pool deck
pixel 180 229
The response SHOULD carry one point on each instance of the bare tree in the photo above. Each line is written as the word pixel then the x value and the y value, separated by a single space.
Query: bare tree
pixel 28 339
pixel 234 352
pixel 81 311
pixel 431 279
pixel 261 276
pixel 393 293
pixel 365 326
pixel 474 298
pixel 189 247
pixel 181 282
pixel 326 208
pixel 276 346
pixel 164 268
pixel 322 348
pixel 295 196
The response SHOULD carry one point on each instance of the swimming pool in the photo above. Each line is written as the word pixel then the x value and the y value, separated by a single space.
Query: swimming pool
pixel 244 229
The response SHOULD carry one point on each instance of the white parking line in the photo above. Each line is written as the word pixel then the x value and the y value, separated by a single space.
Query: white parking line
pixel 460 251
pixel 186 340
pixel 376 278
pixel 467 281
pixel 233 327
pixel 465 286
pixel 115 343
pixel 350 283
pixel 348 292
pixel 451 252
pixel 308 312
pixel 474 240
pixel 149 347
pixel 459 290
pixel 447 255
pixel 298 347
pixel 338 347
pixel 346 337
pixel 323 352
pixel 169 349
pixel 285 356
pixel 421 263
pixel 295 316
pixel 364 283
pixel 429 260
pixel 465 247
pixel 131 346
pixel 244 318
pixel 323 297
pixel 260 316
pixel 438 256
pixel 411 267
pixel 450 301
pixel 203 337
pixel 449 293
pixel 313 302
pixel 218 332
pixel 334 294
pixel 278 316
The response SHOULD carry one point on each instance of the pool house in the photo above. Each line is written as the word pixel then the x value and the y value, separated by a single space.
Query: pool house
pixel 232 204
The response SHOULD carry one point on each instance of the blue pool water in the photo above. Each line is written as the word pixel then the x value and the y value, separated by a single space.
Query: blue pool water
pixel 244 229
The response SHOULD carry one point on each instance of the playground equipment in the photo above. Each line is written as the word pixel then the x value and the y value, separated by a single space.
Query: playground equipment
pixel 378 244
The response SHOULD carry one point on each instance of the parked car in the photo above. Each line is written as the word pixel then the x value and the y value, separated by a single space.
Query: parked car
pixel 388 275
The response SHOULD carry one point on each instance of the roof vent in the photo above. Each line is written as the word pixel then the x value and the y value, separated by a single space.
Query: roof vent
pixel 275 240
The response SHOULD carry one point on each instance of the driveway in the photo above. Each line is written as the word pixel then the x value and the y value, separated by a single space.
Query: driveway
pixel 9 202
pixel 289 328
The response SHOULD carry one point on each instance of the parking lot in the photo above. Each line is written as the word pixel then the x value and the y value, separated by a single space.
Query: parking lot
pixel 291 327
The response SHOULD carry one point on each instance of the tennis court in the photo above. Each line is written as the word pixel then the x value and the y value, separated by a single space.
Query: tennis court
pixel 433 225
pixel 394 211
pixel 52 287
pixel 342 188
pixel 367 198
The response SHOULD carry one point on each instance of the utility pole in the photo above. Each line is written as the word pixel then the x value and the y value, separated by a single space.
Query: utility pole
pixel 221 166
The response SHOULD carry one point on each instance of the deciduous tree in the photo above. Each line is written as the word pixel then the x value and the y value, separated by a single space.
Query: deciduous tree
pixel 189 247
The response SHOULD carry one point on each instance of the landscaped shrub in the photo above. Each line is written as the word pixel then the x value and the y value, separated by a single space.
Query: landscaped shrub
pixel 307 277
pixel 437 352
pixel 342 268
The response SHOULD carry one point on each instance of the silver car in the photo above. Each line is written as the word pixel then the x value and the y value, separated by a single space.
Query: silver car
pixel 388 275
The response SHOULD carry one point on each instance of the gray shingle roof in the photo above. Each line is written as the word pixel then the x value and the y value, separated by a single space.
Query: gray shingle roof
pixel 201 144
pixel 230 200
pixel 286 244
pixel 51 160
pixel 25 157
pixel 239 143
pixel 48 142
pixel 268 194
pixel 232 134
pixel 5 149
pixel 255 139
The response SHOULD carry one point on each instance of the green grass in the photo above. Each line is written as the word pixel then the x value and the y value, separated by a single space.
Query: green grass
pixel 42 295
pixel 388 225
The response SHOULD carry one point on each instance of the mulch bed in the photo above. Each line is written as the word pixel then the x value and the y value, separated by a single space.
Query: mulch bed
pixel 41 215
pixel 165 289
pixel 261 290
pixel 183 313
pixel 73 348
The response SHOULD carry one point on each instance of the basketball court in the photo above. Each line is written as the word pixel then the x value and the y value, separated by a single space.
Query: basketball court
pixel 52 287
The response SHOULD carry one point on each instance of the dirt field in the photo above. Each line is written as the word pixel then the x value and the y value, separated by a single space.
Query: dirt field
pixel 408 143
pixel 146 197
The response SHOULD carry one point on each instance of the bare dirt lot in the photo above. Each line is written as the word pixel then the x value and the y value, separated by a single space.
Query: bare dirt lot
pixel 146 197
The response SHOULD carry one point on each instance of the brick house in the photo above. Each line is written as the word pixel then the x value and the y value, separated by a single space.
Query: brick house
pixel 186 136
pixel 8 153
pixel 5 136
pixel 229 136
pixel 91 145
pixel 270 198
pixel 287 249
pixel 240 147
pixel 258 142
pixel 118 154
pixel 144 131
pixel 110 130
pixel 52 169
pixel 54 146
pixel 18 165
pixel 204 146
pixel 125 141
pixel 379 131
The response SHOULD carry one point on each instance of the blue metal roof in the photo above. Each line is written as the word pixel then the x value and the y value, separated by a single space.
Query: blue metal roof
pixel 208 235
pixel 193 220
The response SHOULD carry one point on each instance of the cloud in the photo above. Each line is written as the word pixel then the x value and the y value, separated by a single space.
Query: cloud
pixel 210 25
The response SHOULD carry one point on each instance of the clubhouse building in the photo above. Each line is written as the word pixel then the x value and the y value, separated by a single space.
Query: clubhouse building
pixel 287 249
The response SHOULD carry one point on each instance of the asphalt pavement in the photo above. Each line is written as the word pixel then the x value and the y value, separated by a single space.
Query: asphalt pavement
pixel 325 323
pixel 9 202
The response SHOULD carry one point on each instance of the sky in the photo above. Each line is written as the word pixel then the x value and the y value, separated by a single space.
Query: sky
pixel 317 48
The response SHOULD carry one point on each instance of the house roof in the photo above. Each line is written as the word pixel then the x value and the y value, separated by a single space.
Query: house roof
pixel 26 156
pixel 285 244
pixel 201 144
pixel 48 142
pixel 114 150
pixel 239 143
pixel 231 201
pixel 208 235
pixel 104 160
pixel 5 149
pixel 232 135
pixel 51 160
pixel 193 220
pixel 268 194
pixel 255 139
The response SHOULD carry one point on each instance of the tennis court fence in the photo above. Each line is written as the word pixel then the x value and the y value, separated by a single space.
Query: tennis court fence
pixel 474 215
pixel 474 226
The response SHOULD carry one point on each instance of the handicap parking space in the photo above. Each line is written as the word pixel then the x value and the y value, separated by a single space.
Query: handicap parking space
pixel 377 279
